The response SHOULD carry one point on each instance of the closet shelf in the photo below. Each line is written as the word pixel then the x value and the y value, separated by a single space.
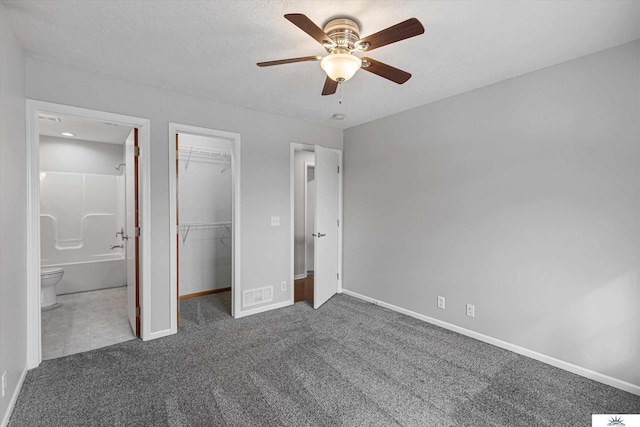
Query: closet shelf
pixel 189 153
pixel 185 227
pixel 203 225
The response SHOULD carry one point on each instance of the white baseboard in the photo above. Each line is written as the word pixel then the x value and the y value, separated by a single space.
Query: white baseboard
pixel 299 276
pixel 14 398
pixel 579 370
pixel 263 309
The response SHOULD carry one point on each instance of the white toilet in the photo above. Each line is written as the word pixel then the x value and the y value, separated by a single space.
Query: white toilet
pixel 49 278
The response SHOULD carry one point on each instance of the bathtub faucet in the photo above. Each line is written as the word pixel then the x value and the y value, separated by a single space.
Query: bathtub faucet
pixel 121 234
pixel 117 246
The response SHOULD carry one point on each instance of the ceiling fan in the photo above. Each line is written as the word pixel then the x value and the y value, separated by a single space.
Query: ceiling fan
pixel 341 37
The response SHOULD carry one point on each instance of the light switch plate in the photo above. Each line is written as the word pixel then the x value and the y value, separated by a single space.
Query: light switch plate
pixel 275 221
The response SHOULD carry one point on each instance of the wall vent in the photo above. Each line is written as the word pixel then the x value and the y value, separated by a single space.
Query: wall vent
pixel 51 117
pixel 257 296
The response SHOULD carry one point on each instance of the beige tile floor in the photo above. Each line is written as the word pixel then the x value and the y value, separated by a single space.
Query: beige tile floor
pixel 86 321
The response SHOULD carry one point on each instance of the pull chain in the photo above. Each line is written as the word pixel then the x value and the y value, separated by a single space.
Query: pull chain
pixel 340 94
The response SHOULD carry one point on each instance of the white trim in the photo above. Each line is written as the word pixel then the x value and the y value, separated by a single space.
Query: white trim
pixel 578 370
pixel 299 276
pixel 234 139
pixel 14 398
pixel 295 146
pixel 34 355
pixel 307 165
pixel 160 334
pixel 263 309
pixel 34 107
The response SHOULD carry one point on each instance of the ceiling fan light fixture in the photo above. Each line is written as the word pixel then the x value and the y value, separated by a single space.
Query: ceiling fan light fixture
pixel 340 67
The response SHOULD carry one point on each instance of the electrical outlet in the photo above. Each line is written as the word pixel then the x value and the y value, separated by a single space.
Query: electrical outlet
pixel 441 302
pixel 4 383
pixel 283 286
pixel 471 310
pixel 275 221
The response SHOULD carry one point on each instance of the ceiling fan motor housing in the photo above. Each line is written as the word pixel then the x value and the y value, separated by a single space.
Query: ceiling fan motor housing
pixel 344 32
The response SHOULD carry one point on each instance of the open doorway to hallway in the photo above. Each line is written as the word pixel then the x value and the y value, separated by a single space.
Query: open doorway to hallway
pixel 304 223
pixel 316 231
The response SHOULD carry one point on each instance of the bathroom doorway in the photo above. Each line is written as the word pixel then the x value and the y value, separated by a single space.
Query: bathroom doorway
pixel 83 243
pixel 87 217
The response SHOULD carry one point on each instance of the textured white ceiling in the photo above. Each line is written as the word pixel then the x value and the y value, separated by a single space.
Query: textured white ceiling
pixel 210 48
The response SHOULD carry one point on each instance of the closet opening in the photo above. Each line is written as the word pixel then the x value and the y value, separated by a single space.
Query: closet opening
pixel 205 195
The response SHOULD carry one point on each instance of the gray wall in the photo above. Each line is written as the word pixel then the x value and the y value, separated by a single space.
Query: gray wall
pixel 13 212
pixel 520 198
pixel 265 137
pixel 298 208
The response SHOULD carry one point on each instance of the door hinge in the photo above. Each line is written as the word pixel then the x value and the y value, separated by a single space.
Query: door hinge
pixel 137 232
pixel 338 276
pixel 137 311
pixel 338 169
pixel 338 223
pixel 136 151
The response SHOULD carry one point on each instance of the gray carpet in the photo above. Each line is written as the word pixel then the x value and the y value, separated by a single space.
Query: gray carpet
pixel 348 364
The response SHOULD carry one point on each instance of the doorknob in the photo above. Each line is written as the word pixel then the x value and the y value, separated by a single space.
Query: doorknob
pixel 321 235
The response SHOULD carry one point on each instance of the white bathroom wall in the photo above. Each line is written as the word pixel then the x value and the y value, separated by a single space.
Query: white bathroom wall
pixel 73 155
pixel 204 197
pixel 298 210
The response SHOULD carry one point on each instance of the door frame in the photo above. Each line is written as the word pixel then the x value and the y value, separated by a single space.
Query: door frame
pixel 34 108
pixel 295 146
pixel 234 139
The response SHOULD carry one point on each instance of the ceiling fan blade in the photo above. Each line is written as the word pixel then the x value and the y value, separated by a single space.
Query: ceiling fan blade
pixel 330 87
pixel 305 24
pixel 404 30
pixel 289 61
pixel 386 71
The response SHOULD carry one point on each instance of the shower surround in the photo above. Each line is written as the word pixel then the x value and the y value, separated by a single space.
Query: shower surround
pixel 80 214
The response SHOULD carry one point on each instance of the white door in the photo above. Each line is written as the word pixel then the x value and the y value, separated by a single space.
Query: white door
pixel 326 226
pixel 131 222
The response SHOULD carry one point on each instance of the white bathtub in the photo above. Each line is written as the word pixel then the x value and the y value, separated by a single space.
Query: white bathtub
pixel 108 271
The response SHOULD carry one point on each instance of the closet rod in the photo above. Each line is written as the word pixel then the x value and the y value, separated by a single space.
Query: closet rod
pixel 203 153
pixel 184 228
